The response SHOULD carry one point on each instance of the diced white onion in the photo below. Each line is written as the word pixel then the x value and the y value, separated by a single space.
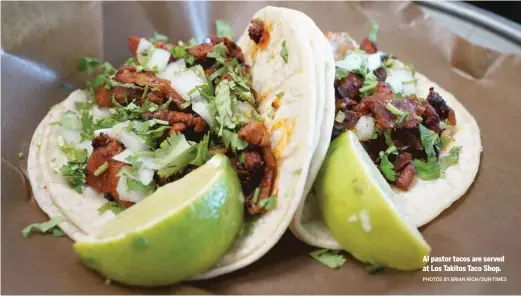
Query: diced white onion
pixel 98 112
pixel 158 59
pixel 364 128
pixel 374 61
pixel 183 82
pixel 123 155
pixel 132 142
pixel 352 61
pixel 69 136
pixel 395 83
pixel 143 49
pixel 145 175
pixel 126 194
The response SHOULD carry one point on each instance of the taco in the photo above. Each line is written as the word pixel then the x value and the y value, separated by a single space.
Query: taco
pixel 419 136
pixel 172 106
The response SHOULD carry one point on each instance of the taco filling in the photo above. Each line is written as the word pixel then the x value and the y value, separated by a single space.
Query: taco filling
pixel 376 98
pixel 164 113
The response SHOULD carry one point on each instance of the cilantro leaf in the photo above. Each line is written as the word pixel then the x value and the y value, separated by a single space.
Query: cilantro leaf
pixel 340 73
pixel 88 127
pixel 202 151
pixel 427 170
pixel 374 268
pixel 136 185
pixel 74 174
pixel 225 102
pixel 400 115
pixel 268 203
pixel 74 154
pixel 86 64
pixel 179 163
pixel 50 226
pixel 369 84
pixel 157 37
pixel 171 148
pixel 231 140
pixel 430 141
pixel 330 258
pixel 388 139
pixel 374 30
pixel 218 53
pixel 223 29
pixel 113 206
pixel 451 159
pixel 284 52
pixel 387 168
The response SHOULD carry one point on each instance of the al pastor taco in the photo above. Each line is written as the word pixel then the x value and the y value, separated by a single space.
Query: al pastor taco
pixel 419 136
pixel 171 108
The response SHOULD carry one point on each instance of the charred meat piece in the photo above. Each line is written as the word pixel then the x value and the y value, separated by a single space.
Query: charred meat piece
pixel 349 86
pixel 252 160
pixel 408 104
pixel 256 30
pixel 380 74
pixel 174 117
pixel 401 161
pixel 431 119
pixel 128 74
pixel 122 95
pixel 409 137
pixel 232 49
pixel 441 107
pixel 133 43
pixel 368 46
pixel 266 184
pixel 200 52
pixel 177 127
pixel 406 176
pixel 104 149
pixel 256 134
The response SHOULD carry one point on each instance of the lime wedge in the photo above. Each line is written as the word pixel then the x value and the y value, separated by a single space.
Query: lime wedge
pixel 179 231
pixel 357 207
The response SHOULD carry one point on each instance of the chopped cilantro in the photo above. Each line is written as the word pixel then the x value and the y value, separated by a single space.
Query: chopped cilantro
pixel 284 52
pixel 388 139
pixel 268 203
pixel 374 30
pixel 430 141
pixel 225 102
pixel 386 166
pixel 330 258
pixel 50 226
pixel 374 268
pixel 369 84
pixel 112 206
pixel 73 173
pixel 102 168
pixel 223 29
pixel 135 185
pixel 231 140
pixel 84 106
pixel 427 170
pixel 74 154
pixel 340 73
pixel 218 53
pixel 400 115
pixel 86 64
pixel 157 37
pixel 451 159
pixel 87 125
pixel 202 151
pixel 131 61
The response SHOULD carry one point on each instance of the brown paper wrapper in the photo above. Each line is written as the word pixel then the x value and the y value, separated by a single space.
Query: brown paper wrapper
pixel 42 41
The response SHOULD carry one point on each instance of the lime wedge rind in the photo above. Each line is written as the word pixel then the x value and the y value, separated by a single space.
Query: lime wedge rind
pixel 356 204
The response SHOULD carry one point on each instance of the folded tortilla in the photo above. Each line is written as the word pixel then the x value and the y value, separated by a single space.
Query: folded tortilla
pixel 425 199
pixel 289 126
